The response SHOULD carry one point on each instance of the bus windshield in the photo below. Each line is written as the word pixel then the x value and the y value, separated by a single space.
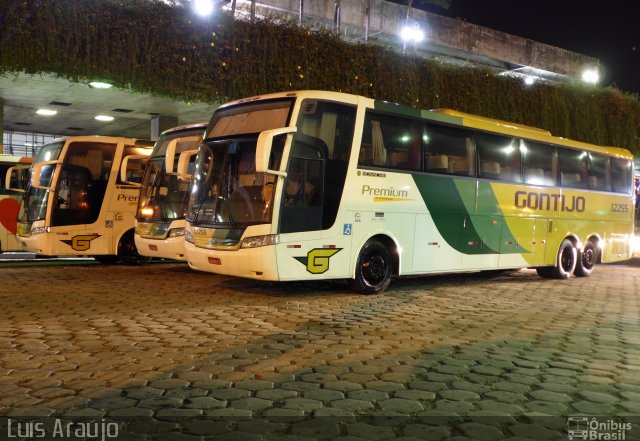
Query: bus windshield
pixel 34 202
pixel 227 192
pixel 164 197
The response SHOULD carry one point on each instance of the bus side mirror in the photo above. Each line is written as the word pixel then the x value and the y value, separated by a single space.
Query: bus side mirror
pixel 183 164
pixel 42 174
pixel 124 169
pixel 16 178
pixel 263 149
pixel 169 156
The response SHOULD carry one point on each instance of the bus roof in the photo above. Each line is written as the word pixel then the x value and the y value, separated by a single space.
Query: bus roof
pixel 16 159
pixel 200 125
pixel 453 117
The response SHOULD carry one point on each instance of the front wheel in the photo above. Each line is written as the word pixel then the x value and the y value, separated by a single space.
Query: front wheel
pixel 374 268
pixel 587 259
pixel 127 251
pixel 565 262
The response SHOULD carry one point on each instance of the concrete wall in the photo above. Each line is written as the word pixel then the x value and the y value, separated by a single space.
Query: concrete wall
pixel 445 36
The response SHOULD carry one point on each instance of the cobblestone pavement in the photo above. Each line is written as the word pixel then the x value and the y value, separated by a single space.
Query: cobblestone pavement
pixel 174 354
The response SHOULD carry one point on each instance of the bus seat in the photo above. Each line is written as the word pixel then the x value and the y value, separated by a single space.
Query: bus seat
pixel 534 176
pixel 570 179
pixel 549 178
pixel 490 168
pixel 438 163
pixel 400 158
pixel 593 182
pixel 459 165
pixel 246 179
pixel 366 155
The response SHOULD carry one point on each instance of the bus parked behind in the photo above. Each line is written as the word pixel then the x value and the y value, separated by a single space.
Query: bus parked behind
pixel 77 202
pixel 10 198
pixel 164 194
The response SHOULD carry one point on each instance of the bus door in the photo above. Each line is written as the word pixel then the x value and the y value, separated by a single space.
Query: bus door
pixel 314 238
pixel 78 199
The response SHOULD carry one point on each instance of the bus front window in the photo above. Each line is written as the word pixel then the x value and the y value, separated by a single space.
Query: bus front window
pixel 164 196
pixel 227 191
pixel 34 203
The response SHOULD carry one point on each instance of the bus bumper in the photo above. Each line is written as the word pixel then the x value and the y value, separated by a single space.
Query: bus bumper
pixel 170 248
pixel 38 244
pixel 252 263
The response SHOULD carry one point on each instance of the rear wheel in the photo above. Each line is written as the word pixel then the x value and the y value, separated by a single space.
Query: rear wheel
pixel 127 251
pixel 565 262
pixel 374 268
pixel 587 259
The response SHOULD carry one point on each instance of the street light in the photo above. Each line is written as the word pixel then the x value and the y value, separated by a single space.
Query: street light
pixel 203 8
pixel 591 75
pixel 411 33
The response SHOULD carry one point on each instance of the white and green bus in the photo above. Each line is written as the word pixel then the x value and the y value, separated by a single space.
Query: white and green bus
pixel 82 198
pixel 313 185
pixel 164 194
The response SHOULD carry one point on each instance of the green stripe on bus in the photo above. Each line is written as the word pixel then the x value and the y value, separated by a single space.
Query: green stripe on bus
pixel 467 227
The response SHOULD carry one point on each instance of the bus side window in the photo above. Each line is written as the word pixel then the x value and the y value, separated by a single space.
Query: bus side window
pixel 621 175
pixel 539 163
pixel 599 172
pixel 391 141
pixel 573 168
pixel 499 157
pixel 448 150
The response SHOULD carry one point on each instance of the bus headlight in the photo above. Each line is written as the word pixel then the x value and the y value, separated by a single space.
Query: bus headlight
pixel 260 241
pixel 39 230
pixel 188 237
pixel 176 232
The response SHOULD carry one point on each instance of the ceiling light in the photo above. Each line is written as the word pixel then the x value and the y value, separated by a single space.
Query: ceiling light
pixel 99 85
pixel 105 118
pixel 46 112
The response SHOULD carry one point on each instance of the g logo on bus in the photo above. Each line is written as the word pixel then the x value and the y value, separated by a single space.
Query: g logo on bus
pixel 317 260
pixel 82 242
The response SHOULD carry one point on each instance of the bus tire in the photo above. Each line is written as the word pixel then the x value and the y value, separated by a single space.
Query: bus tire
pixel 374 268
pixel 106 259
pixel 127 251
pixel 587 259
pixel 566 261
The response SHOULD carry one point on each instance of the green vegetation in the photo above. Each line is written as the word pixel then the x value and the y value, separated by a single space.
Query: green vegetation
pixel 149 47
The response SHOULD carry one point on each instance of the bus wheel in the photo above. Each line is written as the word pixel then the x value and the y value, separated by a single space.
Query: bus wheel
pixel 106 259
pixel 587 259
pixel 373 268
pixel 127 251
pixel 565 262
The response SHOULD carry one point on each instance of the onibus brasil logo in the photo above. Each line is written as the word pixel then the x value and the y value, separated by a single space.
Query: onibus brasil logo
pixel 317 260
pixel 582 427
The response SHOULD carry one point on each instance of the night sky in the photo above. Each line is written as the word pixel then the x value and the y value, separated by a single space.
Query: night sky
pixel 607 30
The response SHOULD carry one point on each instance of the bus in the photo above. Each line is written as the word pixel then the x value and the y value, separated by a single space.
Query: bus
pixel 164 194
pixel 10 198
pixel 312 185
pixel 82 198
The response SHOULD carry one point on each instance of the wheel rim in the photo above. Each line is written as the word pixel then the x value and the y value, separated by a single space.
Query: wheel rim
pixel 588 258
pixel 374 269
pixel 567 259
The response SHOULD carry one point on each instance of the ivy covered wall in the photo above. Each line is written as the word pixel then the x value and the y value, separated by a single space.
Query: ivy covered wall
pixel 149 47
